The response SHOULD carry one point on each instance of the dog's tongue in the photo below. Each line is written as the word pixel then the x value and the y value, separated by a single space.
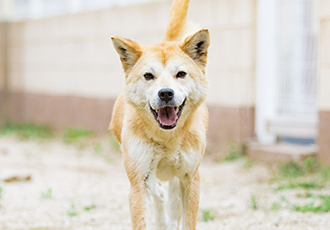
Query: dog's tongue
pixel 167 116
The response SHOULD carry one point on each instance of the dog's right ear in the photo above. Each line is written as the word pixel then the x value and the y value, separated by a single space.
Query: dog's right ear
pixel 128 51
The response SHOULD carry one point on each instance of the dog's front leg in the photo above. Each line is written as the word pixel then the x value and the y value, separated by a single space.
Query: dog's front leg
pixel 139 206
pixel 138 165
pixel 190 186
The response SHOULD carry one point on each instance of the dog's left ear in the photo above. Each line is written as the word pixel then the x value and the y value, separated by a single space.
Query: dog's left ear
pixel 196 46
pixel 128 51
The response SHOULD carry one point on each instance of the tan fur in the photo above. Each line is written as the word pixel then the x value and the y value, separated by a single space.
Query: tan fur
pixel 150 152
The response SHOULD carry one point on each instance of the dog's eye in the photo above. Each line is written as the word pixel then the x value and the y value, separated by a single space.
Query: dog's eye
pixel 148 76
pixel 181 74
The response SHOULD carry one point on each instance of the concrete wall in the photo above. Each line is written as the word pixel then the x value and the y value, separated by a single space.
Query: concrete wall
pixel 71 56
pixel 324 81
pixel 1 55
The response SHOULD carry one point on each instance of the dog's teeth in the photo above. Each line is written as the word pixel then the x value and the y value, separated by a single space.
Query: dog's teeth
pixel 157 110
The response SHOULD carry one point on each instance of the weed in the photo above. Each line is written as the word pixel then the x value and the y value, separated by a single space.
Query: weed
pixel 88 208
pixel 208 215
pixel 293 184
pixel 27 131
pixel 76 135
pixel 72 211
pixel 325 173
pixel 233 153
pixel 98 149
pixel 248 163
pixel 306 195
pixel 291 169
pixel 47 194
pixel 253 202
pixel 311 207
pixel 114 143
pixel 308 175
pixel 311 165
pixel 276 206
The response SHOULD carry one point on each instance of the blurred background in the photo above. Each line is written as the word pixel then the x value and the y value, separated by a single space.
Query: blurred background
pixel 268 66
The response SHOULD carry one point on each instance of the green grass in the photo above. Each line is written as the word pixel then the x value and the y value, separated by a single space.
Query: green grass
pixel 72 211
pixel 325 173
pixel 76 135
pixel 276 206
pixel 291 169
pixel 294 184
pixel 114 143
pixel 47 194
pixel 307 175
pixel 248 163
pixel 253 202
pixel 324 204
pixel 233 152
pixel 27 131
pixel 90 207
pixel 207 215
pixel 98 149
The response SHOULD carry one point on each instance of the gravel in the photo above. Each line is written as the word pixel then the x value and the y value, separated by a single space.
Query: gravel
pixel 88 191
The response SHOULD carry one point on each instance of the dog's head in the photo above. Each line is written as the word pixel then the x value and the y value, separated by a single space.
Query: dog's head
pixel 167 80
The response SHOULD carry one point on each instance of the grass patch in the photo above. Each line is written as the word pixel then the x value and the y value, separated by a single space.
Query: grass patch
pixel 98 148
pixel 27 131
pixel 253 202
pixel 47 194
pixel 114 143
pixel 276 206
pixel 207 215
pixel 307 175
pixel 77 136
pixel 72 211
pixel 293 184
pixel 325 173
pixel 90 207
pixel 248 163
pixel 291 169
pixel 324 204
pixel 233 152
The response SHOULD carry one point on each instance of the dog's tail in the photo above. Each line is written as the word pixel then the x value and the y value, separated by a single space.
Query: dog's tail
pixel 178 26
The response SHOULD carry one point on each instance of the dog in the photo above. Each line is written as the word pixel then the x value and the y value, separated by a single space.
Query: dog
pixel 160 120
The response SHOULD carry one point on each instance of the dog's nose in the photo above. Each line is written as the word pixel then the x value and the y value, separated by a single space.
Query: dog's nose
pixel 166 94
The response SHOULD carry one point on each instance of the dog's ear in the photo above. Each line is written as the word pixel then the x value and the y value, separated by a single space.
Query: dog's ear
pixel 128 51
pixel 196 46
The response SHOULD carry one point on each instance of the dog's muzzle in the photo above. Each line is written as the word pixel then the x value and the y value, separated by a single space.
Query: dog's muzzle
pixel 167 116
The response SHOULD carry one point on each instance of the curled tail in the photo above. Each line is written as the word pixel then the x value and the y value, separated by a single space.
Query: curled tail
pixel 178 26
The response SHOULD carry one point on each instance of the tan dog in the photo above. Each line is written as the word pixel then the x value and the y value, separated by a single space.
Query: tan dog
pixel 160 119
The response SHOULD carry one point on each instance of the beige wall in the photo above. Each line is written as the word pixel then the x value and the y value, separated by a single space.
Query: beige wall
pixel 324 48
pixel 73 55
pixel 1 56
pixel 324 82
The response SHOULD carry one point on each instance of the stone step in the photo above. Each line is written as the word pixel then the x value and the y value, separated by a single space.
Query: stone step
pixel 280 152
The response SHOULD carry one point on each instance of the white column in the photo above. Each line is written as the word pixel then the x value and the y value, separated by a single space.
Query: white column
pixel 6 10
pixel 266 71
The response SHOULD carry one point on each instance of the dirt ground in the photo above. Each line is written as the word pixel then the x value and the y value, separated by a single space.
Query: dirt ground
pixel 57 186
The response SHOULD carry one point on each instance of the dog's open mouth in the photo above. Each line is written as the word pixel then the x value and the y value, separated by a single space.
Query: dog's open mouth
pixel 168 116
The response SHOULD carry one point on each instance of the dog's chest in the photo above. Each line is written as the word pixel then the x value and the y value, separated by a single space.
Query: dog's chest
pixel 173 164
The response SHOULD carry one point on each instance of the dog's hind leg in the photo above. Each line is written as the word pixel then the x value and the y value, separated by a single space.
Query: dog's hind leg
pixel 160 205
pixel 175 204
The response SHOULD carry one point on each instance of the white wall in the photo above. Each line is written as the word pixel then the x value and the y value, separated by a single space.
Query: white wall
pixel 73 55
pixel 324 49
